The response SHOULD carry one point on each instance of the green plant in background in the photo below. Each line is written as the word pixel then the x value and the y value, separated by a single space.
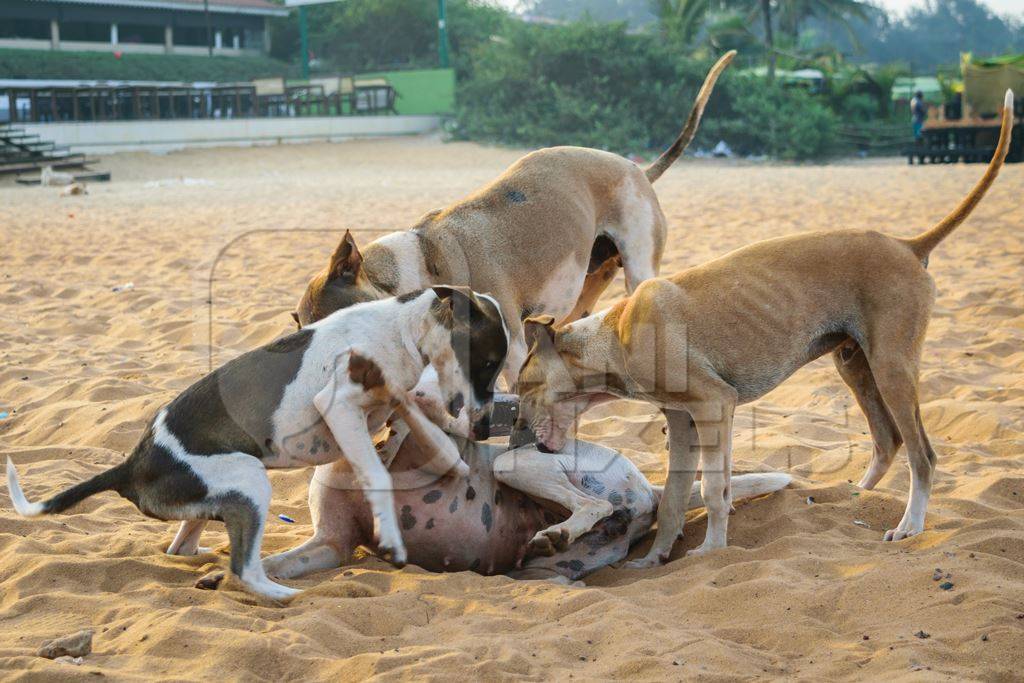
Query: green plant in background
pixel 681 20
pixel 793 14
pixel 880 81
pixel 41 64
pixel 760 118
pixel 599 86
pixel 790 14
pixel 950 82
pixel 371 35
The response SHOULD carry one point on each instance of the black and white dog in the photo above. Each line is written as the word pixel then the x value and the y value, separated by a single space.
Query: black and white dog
pixel 291 404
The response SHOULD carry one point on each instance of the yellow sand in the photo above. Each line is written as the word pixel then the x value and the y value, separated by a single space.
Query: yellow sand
pixel 802 591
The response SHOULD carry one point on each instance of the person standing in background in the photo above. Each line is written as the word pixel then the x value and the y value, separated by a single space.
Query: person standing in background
pixel 918 114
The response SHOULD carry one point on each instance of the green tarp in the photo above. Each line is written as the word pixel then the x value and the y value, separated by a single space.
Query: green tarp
pixel 905 87
pixel 987 80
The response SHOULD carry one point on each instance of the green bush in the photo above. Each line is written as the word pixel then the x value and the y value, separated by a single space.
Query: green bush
pixel 598 86
pixel 756 118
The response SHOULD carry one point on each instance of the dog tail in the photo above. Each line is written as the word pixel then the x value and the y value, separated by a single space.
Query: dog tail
pixel 923 244
pixel 669 156
pixel 112 479
pixel 746 486
pixel 743 486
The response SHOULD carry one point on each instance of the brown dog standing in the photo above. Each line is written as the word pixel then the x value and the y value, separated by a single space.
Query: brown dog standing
pixel 546 237
pixel 703 341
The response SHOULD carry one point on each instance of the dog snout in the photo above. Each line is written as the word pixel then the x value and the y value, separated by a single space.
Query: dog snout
pixel 456 405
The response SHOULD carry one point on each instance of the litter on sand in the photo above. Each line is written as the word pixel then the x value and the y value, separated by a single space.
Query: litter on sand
pixel 861 522
pixel 286 518
pixel 126 287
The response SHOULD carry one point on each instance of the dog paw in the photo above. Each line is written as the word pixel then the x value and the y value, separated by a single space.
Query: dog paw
pixel 548 542
pixel 646 562
pixel 395 554
pixel 899 534
pixel 704 549
pixel 210 582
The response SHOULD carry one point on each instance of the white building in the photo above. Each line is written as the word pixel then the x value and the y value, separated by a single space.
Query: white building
pixel 233 27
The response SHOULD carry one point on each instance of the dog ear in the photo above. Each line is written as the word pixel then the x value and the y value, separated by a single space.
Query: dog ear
pixel 444 292
pixel 346 259
pixel 538 329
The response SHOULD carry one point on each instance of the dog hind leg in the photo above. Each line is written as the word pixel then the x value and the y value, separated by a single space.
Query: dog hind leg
pixel 897 383
pixel 335 533
pixel 543 476
pixel 240 497
pixel 593 287
pixel 854 369
pixel 639 230
pixel 186 542
pixel 315 555
pixel 714 431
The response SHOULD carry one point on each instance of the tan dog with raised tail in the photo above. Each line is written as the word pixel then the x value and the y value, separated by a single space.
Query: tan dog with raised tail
pixel 545 237
pixel 727 332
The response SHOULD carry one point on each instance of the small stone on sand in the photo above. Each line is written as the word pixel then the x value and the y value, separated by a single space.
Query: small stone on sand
pixel 75 645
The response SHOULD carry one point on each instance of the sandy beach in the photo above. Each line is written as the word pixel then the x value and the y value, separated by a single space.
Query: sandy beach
pixel 218 244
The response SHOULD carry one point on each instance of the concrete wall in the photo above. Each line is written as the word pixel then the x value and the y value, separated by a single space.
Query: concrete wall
pixel 160 136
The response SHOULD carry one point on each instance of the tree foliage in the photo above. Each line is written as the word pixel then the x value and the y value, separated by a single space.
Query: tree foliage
pixel 597 85
pixel 368 35
pixel 929 36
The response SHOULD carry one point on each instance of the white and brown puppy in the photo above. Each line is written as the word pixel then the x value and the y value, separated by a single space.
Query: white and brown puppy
pixel 291 404
pixel 546 237
pixel 727 332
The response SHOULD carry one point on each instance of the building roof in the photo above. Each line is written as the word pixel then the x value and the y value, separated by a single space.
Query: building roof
pixel 264 7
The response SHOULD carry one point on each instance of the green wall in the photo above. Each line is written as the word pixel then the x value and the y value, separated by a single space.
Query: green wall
pixel 423 91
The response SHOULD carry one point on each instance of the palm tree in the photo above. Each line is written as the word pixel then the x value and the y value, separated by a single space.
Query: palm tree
pixel 681 20
pixel 793 12
pixel 880 81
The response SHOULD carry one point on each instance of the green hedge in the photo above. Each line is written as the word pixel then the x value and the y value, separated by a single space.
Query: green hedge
pixel 134 67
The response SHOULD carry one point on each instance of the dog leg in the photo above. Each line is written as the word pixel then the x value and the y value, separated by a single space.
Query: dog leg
pixel 241 501
pixel 715 436
pixel 516 355
pixel 543 476
pixel 347 423
pixel 336 532
pixel 897 383
pixel 444 455
pixel 853 367
pixel 593 287
pixel 426 396
pixel 316 554
pixel 682 470
pixel 640 233
pixel 186 542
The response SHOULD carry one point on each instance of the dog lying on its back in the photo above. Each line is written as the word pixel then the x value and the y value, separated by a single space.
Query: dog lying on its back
pixel 291 404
